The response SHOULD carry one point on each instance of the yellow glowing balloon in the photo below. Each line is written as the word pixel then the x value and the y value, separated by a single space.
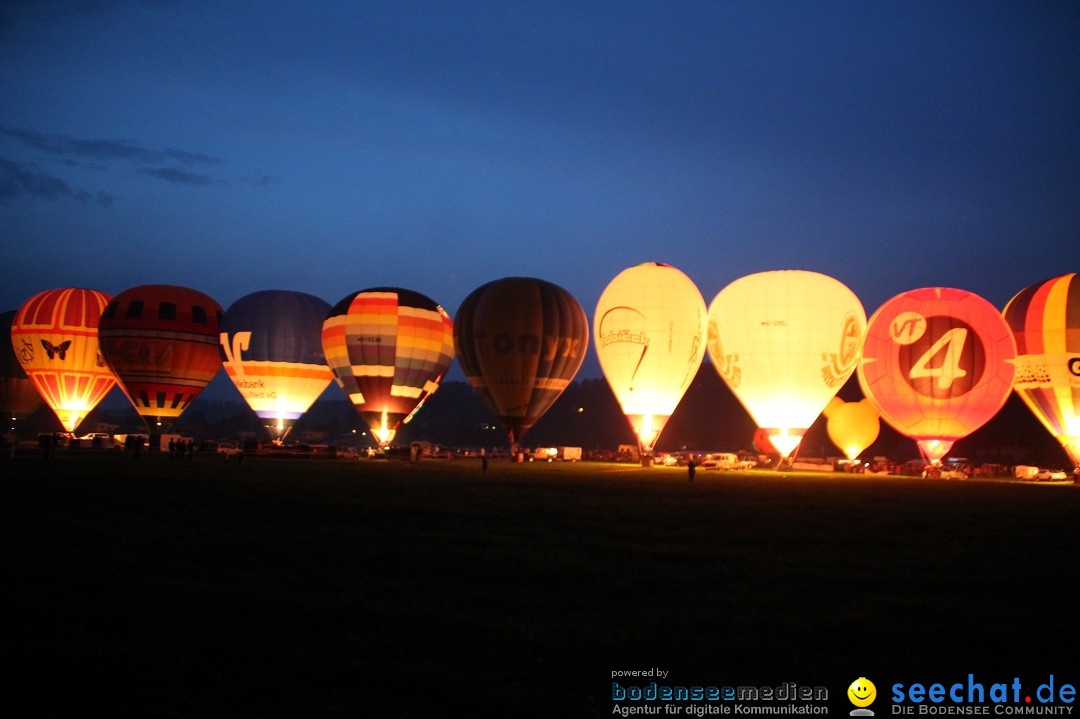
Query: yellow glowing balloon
pixel 785 342
pixel 852 426
pixel 649 331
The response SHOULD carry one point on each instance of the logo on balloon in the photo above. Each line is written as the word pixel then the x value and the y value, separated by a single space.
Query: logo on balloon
pixel 907 327
pixel 840 364
pixel 694 359
pixel 630 317
pixel 726 364
pixel 134 352
pixel 946 358
pixel 530 343
pixel 240 342
pixel 1074 366
pixel 625 335
pixel 56 351
pixel 26 352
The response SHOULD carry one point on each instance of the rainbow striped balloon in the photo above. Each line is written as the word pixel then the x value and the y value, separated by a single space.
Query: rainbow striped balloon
pixel 1045 320
pixel 388 349
pixel 55 337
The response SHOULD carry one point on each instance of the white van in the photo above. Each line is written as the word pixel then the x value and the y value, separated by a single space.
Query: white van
pixel 727 460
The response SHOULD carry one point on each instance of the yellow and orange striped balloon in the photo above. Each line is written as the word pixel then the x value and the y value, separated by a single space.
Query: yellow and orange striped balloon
pixel 55 337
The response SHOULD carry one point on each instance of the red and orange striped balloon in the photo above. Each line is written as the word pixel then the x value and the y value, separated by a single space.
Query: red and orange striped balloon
pixel 1045 321
pixel 55 337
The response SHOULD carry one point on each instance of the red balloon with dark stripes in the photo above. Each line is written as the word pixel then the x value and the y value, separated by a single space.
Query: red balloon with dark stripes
pixel 161 342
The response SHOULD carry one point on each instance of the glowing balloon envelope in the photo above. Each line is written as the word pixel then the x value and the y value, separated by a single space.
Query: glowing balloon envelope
pixel 937 363
pixel 649 332
pixel 762 443
pixel 388 349
pixel 520 341
pixel 55 337
pixel 1045 321
pixel 161 342
pixel 852 426
pixel 271 346
pixel 785 342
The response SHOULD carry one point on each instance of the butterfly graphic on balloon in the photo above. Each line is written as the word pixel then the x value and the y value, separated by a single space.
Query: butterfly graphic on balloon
pixel 56 351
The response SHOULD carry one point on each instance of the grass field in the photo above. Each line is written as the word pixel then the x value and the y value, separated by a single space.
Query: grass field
pixel 372 588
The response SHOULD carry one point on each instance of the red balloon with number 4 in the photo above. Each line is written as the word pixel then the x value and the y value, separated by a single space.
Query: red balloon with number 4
pixel 937 363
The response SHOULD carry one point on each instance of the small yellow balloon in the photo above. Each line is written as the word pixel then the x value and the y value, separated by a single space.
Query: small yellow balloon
pixel 852 426
pixel 862 692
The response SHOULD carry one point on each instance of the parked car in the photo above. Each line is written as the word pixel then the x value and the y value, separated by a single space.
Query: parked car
pixel 1051 474
pixel 666 459
pixel 727 460
pixel 229 449
pixel 1025 471
pixel 938 472
pixel 99 439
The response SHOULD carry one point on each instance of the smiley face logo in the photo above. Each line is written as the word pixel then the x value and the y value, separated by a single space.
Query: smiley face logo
pixel 862 692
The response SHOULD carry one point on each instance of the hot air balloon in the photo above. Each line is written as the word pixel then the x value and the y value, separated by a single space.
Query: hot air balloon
pixel 520 341
pixel 785 342
pixel 852 426
pixel 19 397
pixel 388 349
pixel 55 337
pixel 649 333
pixel 937 364
pixel 161 342
pixel 762 443
pixel 1045 321
pixel 271 346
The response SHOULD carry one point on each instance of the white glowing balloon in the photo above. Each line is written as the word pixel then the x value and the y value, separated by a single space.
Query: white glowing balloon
pixel 649 332
pixel 785 342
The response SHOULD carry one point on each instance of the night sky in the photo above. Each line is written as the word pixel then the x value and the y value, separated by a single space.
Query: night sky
pixel 328 147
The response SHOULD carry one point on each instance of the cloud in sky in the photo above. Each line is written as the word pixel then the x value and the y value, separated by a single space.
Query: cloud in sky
pixel 22 180
pixel 64 146
pixel 177 176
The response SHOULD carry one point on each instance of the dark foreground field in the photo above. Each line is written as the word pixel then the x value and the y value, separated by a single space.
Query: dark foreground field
pixel 323 588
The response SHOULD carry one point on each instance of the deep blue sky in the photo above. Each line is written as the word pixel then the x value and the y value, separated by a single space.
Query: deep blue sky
pixel 328 147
